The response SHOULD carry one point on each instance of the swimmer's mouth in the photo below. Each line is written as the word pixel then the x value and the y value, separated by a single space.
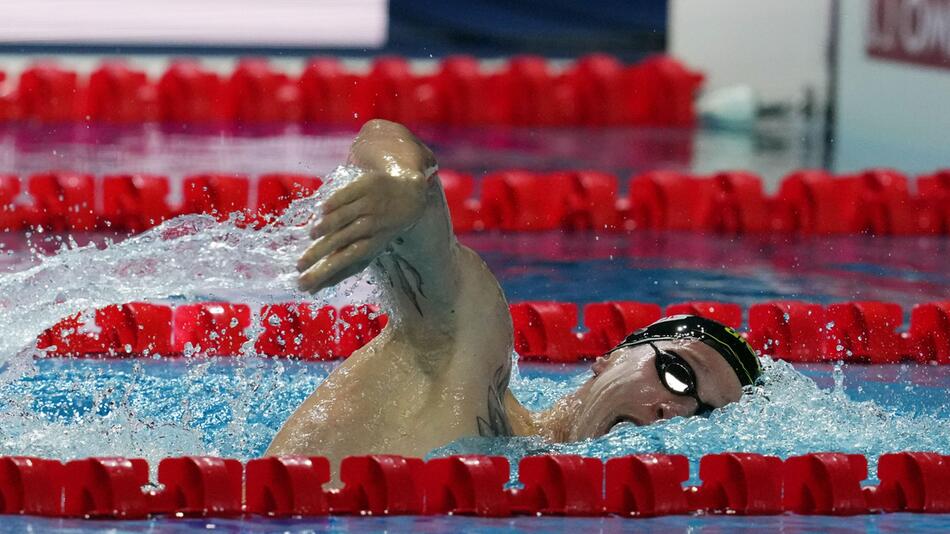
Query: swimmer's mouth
pixel 623 419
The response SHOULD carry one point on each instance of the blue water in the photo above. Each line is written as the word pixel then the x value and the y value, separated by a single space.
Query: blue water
pixel 232 406
pixel 773 151
pixel 191 405
pixel 187 406
pixel 896 523
pixel 666 267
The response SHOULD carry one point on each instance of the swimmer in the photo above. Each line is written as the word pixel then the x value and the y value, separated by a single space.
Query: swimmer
pixel 439 371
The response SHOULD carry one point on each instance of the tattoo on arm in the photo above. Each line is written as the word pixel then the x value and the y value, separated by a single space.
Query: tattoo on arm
pixel 402 272
pixel 497 423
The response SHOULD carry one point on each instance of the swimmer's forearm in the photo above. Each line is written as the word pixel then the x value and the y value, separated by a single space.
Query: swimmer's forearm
pixel 393 216
pixel 421 266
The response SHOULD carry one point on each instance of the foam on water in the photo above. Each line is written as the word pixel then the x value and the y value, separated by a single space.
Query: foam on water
pixel 787 415
pixel 153 409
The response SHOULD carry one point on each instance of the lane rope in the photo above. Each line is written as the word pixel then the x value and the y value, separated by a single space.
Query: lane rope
pixel 643 485
pixel 546 331
pixel 807 203
pixel 595 90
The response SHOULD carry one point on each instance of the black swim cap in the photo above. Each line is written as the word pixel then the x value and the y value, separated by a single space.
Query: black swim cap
pixel 727 342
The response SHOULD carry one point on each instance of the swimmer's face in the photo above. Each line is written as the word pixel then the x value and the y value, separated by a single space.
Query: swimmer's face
pixel 626 387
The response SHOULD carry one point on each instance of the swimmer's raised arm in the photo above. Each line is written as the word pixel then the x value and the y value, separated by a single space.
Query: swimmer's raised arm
pixel 393 215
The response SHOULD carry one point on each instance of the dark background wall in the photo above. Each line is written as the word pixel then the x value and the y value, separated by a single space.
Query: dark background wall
pixel 625 28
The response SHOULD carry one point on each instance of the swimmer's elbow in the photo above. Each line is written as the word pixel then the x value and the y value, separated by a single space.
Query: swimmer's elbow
pixel 381 125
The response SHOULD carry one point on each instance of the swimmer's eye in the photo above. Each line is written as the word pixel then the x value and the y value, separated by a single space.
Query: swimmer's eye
pixel 677 380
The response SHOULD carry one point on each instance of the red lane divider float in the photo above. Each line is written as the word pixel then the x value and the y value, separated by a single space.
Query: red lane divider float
pixel 105 487
pixel 527 90
pixel 64 201
pixel 644 485
pixel 467 485
pixel 186 93
pixel 31 486
pixel 855 332
pixel 119 95
pixel 47 93
pixel 214 329
pixel 287 485
pixel 217 328
pixel 930 331
pixel 199 486
pixel 808 202
pixel 134 202
pixel 825 484
pixel 741 483
pixel 566 485
pixel 934 191
pixel 379 485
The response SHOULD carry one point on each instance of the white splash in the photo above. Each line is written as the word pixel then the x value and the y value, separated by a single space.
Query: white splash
pixel 189 258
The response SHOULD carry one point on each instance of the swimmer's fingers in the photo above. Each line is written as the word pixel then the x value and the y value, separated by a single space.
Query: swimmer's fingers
pixel 334 268
pixel 349 193
pixel 323 246
pixel 340 218
pixel 346 273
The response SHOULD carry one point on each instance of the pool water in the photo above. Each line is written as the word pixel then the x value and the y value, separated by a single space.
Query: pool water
pixel 435 525
pixel 666 267
pixel 773 150
pixel 231 406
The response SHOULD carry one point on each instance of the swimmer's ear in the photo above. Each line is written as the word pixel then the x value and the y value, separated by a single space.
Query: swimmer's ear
pixel 600 364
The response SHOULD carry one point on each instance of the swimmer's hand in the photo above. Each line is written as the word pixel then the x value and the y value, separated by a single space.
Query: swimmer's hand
pixel 364 217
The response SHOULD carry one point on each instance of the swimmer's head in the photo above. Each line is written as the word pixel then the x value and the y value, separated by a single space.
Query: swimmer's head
pixel 678 366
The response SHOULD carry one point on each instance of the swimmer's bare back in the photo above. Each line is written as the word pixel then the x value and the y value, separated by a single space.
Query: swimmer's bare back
pixel 440 369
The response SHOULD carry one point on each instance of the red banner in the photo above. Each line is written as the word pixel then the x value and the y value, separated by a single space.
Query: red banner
pixel 910 31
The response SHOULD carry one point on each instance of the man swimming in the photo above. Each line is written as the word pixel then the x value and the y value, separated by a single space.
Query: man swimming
pixel 440 369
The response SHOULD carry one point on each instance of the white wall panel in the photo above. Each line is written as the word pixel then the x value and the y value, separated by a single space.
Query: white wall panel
pixel 778 47
pixel 890 113
pixel 308 23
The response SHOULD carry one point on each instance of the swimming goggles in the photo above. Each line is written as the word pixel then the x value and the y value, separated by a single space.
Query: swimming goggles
pixel 678 378
pixel 724 340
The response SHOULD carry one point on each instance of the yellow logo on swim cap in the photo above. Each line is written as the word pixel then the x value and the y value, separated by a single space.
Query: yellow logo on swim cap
pixel 737 335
